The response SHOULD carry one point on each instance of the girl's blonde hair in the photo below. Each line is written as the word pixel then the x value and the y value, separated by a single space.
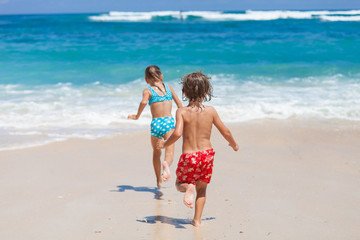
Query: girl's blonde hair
pixel 153 73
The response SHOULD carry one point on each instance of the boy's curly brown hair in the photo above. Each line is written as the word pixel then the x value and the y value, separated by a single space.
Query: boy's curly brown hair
pixel 196 87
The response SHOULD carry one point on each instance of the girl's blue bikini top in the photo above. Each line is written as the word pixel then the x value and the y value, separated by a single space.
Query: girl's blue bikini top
pixel 157 98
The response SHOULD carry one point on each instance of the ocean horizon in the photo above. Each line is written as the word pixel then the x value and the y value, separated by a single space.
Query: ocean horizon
pixel 80 75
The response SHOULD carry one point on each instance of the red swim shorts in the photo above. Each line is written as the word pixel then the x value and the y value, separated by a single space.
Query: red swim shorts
pixel 195 166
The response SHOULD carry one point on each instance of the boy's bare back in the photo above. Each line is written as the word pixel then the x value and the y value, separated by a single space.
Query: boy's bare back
pixel 197 125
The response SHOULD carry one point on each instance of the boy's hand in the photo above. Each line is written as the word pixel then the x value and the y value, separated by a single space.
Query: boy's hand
pixel 160 144
pixel 236 147
pixel 133 117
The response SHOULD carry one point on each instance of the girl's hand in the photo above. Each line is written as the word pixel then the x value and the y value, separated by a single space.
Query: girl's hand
pixel 133 117
pixel 160 144
pixel 236 147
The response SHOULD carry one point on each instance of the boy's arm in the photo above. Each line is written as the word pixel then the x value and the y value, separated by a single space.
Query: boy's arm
pixel 224 131
pixel 176 134
pixel 142 105
pixel 175 97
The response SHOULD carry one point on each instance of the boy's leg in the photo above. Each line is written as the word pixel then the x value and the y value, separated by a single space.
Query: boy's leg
pixel 156 160
pixel 200 202
pixel 189 190
pixel 181 187
pixel 169 156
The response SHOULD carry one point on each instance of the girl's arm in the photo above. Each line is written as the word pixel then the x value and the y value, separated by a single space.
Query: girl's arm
pixel 224 131
pixel 176 134
pixel 175 97
pixel 144 101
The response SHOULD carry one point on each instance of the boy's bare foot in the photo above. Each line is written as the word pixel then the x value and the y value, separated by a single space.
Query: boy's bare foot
pixel 189 196
pixel 166 171
pixel 196 223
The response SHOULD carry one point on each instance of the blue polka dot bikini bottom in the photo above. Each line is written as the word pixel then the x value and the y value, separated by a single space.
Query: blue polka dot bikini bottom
pixel 160 126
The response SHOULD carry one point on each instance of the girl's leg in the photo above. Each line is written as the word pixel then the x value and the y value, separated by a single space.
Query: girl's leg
pixel 156 160
pixel 169 156
pixel 200 202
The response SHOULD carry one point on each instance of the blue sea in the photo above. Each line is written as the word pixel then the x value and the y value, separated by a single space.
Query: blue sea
pixel 80 75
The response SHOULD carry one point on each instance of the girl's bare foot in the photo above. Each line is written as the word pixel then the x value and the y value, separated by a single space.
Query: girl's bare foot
pixel 159 183
pixel 166 171
pixel 189 196
pixel 196 223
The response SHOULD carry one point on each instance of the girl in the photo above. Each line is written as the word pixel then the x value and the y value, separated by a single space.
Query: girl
pixel 159 95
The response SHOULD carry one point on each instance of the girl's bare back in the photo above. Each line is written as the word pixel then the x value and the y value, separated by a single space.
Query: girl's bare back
pixel 161 109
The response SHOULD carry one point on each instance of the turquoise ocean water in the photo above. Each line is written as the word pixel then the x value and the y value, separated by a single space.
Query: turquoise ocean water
pixel 80 75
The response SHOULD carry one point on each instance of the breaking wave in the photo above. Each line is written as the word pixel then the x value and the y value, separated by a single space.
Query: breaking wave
pixel 249 15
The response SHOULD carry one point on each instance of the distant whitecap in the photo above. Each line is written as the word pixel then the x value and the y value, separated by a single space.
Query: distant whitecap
pixel 249 15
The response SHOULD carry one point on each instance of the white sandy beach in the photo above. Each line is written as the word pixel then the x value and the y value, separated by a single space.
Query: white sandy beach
pixel 291 179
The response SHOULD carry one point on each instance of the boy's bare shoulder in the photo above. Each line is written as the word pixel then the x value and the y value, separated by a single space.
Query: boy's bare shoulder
pixel 181 109
pixel 211 109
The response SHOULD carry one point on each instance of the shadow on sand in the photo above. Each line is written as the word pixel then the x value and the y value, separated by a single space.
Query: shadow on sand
pixel 157 193
pixel 176 222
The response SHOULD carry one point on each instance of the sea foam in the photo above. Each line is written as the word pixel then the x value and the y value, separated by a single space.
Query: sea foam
pixel 249 15
pixel 341 18
pixel 46 113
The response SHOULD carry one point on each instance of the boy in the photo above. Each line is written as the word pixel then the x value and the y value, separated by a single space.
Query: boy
pixel 194 122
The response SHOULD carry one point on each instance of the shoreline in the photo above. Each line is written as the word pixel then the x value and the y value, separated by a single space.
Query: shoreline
pixel 290 179
pixel 339 123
